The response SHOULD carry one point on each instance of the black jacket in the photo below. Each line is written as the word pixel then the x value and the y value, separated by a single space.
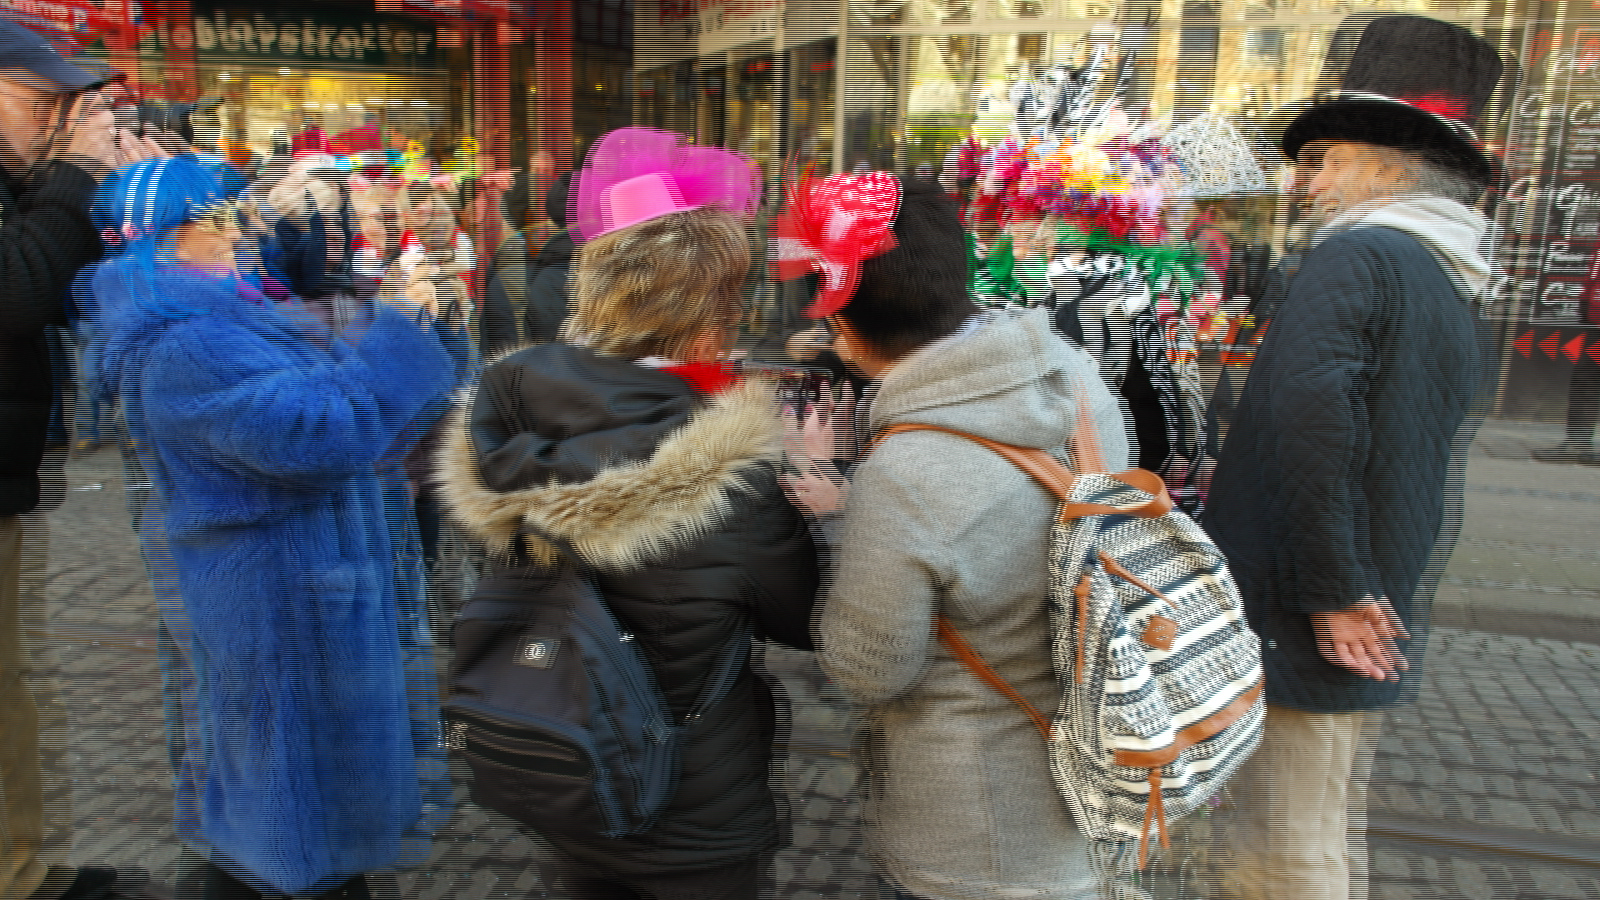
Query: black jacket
pixel 503 296
pixel 497 319
pixel 548 300
pixel 675 499
pixel 1341 476
pixel 46 236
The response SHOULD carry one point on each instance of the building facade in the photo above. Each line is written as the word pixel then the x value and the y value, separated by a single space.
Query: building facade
pixel 767 77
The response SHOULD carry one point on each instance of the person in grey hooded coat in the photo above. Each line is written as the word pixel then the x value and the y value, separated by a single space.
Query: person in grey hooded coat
pixel 961 802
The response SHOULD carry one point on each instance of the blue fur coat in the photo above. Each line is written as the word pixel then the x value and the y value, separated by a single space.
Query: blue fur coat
pixel 267 439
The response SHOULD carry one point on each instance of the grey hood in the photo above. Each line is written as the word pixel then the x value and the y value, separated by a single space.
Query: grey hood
pixel 1006 376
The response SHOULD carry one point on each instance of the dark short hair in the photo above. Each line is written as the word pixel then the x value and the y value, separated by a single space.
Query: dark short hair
pixel 555 200
pixel 917 292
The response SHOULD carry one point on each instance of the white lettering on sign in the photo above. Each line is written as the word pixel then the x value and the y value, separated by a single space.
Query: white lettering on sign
pixel 1561 292
pixel 259 35
pixel 1573 194
pixel 738 22
pixel 1504 289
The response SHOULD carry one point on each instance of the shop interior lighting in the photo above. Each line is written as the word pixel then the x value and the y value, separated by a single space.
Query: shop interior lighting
pixel 285 71
pixel 224 76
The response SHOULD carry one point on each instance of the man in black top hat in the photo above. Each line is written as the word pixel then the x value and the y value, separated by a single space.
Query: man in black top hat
pixel 57 138
pixel 1337 496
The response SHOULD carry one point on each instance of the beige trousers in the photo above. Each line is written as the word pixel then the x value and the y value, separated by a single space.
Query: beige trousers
pixel 24 813
pixel 1300 827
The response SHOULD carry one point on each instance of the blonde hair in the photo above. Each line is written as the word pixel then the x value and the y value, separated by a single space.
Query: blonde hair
pixel 374 198
pixel 653 289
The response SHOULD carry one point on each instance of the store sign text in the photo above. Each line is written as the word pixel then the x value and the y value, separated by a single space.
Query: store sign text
pixel 738 22
pixel 69 15
pixel 301 38
pixel 1580 114
pixel 1526 189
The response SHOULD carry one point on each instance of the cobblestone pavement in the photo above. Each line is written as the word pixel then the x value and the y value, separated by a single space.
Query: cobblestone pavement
pixel 1500 738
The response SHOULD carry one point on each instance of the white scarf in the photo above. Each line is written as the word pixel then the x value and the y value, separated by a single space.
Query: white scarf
pixel 1455 233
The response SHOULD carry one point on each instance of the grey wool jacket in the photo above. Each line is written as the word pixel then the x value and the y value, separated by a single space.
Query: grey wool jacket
pixel 961 804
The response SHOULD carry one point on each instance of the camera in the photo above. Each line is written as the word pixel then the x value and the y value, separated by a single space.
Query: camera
pixel 150 118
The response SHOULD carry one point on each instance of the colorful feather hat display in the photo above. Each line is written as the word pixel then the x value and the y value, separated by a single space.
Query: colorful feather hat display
pixel 1075 158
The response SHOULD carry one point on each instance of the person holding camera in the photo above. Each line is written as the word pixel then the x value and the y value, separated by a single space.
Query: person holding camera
pixel 58 139
pixel 303 731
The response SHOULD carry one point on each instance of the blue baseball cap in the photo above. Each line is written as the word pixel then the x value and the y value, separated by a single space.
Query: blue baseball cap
pixel 23 48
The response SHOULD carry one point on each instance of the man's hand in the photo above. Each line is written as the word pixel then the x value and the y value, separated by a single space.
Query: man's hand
pixel 131 148
pixel 1362 638
pixel 89 129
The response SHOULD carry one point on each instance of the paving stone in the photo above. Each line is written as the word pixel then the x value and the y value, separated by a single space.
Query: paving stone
pixel 839 782
pixel 1557 885
pixel 1471 881
pixel 1582 822
pixel 1388 862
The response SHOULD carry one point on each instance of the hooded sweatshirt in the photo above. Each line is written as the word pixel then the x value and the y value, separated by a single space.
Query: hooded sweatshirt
pixel 961 802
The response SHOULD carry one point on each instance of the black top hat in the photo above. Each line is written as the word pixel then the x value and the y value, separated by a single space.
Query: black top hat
pixel 1411 83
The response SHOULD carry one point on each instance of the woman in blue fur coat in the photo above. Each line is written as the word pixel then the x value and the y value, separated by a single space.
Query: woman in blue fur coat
pixel 302 764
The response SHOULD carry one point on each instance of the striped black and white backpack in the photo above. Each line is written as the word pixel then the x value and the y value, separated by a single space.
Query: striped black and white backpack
pixel 1161 677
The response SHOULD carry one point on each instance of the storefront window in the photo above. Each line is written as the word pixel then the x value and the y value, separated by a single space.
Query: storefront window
pixel 320 78
pixel 666 99
pixel 811 104
pixel 711 107
pixel 756 80
pixel 601 92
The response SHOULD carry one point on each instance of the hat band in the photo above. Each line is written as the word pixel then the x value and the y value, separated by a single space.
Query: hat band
pixel 1421 104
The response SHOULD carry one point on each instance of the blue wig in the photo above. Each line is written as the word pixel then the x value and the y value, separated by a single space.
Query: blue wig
pixel 136 210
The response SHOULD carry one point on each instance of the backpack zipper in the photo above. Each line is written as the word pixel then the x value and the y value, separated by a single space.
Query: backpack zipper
pixel 1082 593
pixel 542 756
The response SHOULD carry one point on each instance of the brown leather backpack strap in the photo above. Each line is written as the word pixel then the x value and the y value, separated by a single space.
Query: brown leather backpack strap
pixel 1057 478
pixel 969 657
pixel 1159 504
pixel 1045 469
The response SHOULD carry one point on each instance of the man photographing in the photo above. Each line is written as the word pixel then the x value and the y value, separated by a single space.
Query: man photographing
pixel 57 139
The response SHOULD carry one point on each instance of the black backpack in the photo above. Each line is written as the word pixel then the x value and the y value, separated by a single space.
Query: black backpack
pixel 555 710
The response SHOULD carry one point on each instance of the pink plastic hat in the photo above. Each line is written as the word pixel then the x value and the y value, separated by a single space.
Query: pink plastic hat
pixel 634 175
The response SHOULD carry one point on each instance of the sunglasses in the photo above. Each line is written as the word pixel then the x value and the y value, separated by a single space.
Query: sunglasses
pixel 217 217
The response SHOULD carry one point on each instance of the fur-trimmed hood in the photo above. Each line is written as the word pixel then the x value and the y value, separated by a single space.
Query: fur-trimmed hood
pixel 665 481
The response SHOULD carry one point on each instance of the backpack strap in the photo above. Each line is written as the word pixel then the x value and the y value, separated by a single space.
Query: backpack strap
pixel 1057 478
pixel 721 679
pixel 961 650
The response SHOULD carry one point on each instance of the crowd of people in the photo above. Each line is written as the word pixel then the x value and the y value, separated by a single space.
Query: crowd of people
pixel 316 368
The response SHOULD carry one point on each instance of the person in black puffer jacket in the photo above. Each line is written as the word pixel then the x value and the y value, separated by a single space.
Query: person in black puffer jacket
pixel 646 454
pixel 550 271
